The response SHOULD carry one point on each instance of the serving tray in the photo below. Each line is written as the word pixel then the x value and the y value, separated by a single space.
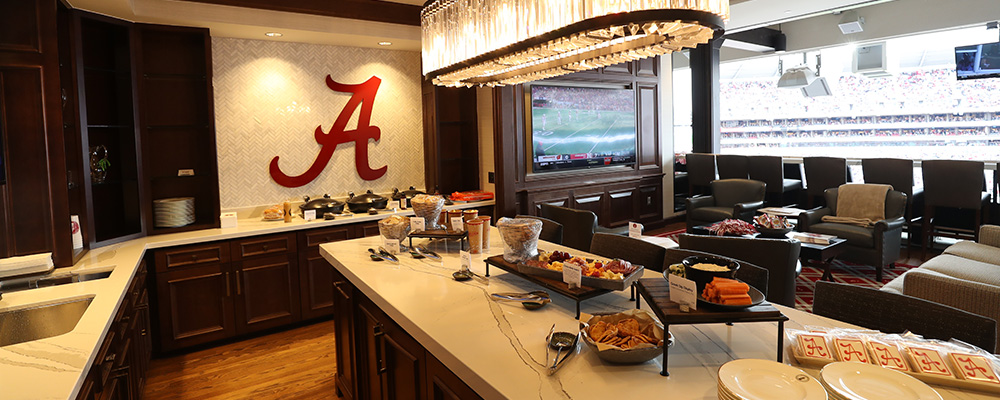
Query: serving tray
pixel 598 283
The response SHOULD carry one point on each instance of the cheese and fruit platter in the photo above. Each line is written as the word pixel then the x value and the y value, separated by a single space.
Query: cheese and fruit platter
pixel 614 274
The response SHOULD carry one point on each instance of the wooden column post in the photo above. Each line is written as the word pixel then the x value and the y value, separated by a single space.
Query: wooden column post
pixel 705 96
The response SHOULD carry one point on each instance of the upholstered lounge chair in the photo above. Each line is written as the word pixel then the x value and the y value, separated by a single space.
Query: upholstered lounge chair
pixel 730 198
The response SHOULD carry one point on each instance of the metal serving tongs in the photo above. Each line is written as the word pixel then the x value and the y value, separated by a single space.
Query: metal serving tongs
pixel 382 255
pixel 560 341
pixel 530 300
pixel 424 252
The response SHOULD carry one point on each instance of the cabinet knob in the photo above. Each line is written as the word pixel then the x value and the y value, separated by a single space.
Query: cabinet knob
pixel 265 247
pixel 194 257
pixel 110 358
pixel 142 332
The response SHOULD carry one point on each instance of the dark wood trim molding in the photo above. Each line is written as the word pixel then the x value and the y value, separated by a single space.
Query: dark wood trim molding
pixel 367 10
pixel 705 96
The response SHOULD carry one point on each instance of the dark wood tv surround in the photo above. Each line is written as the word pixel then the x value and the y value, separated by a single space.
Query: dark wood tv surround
pixel 617 194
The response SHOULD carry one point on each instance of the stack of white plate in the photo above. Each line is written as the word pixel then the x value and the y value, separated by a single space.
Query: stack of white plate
pixel 751 379
pixel 173 212
pixel 857 381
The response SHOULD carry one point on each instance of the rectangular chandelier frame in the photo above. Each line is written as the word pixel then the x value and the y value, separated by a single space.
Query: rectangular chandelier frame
pixel 483 42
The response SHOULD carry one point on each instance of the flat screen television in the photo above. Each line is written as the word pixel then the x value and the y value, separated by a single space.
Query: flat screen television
pixel 576 127
pixel 978 61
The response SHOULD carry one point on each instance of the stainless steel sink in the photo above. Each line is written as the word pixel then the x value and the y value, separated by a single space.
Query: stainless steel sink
pixel 41 320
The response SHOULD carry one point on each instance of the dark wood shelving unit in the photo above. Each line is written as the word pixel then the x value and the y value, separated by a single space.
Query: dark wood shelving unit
pixel 105 96
pixel 178 121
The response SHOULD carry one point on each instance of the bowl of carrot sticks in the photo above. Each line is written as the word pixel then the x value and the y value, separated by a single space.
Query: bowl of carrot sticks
pixel 730 294
pixel 702 269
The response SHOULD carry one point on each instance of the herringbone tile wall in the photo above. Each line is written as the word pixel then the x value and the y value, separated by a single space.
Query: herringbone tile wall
pixel 271 96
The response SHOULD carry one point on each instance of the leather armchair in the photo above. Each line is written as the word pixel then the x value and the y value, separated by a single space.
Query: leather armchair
pixel 730 198
pixel 578 226
pixel 877 246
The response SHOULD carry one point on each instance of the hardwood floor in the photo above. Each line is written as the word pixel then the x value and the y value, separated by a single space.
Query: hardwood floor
pixel 293 364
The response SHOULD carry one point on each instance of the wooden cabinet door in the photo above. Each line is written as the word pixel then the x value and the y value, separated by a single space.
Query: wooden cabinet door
pixel 267 293
pixel 442 384
pixel 370 365
pixel 195 305
pixel 315 273
pixel 366 229
pixel 394 361
pixel 343 317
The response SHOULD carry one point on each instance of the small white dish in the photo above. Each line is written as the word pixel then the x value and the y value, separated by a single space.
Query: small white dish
pixel 753 379
pixel 857 381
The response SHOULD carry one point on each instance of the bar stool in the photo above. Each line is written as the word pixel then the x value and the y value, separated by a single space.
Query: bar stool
pixel 701 172
pixel 955 203
pixel 769 169
pixel 732 166
pixel 823 173
pixel 898 173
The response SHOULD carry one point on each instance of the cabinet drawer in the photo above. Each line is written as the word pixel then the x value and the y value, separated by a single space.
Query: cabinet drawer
pixel 189 256
pixel 317 237
pixel 264 245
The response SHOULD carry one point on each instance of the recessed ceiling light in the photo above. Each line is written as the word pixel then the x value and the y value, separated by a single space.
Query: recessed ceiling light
pixel 273 34
pixel 384 43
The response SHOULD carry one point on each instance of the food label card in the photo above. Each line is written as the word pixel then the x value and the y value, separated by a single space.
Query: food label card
pixel 635 230
pixel 457 224
pixel 309 215
pixel 393 205
pixel 683 291
pixel 391 245
pixel 417 224
pixel 572 273
pixel 466 258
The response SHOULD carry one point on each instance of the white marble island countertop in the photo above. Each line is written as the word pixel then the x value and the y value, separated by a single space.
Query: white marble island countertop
pixel 55 367
pixel 498 349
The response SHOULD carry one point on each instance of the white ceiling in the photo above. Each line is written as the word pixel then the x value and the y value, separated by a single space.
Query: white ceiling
pixel 227 21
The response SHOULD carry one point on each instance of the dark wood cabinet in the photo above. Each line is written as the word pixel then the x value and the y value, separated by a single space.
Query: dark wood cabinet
pixel 377 359
pixel 119 370
pixel 195 305
pixel 343 301
pixel 442 384
pixel 316 275
pixel 177 121
pixel 393 361
pixel 451 138
pixel 34 211
pixel 616 194
pixel 267 292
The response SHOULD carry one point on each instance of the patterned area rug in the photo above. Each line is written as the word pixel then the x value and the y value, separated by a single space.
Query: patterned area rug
pixel 843 272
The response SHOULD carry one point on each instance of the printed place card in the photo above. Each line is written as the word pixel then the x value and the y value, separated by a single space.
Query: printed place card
pixel 457 224
pixel 683 291
pixel 466 258
pixel 572 274
pixel 391 245
pixel 635 230
pixel 309 215
pixel 416 224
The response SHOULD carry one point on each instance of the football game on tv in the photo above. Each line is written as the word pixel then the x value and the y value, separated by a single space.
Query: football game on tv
pixel 581 127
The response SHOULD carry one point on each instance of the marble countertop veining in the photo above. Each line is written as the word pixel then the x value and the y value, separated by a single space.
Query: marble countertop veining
pixel 498 349
pixel 53 368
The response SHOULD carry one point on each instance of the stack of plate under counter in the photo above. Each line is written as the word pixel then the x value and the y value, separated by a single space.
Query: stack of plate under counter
pixel 173 212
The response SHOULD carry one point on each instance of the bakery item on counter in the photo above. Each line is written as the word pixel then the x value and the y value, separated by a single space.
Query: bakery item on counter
pixel 851 350
pixel 927 361
pixel 974 367
pixel 274 213
pixel 813 347
pixel 887 355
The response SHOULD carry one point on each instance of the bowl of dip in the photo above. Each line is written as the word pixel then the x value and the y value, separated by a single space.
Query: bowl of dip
pixel 702 269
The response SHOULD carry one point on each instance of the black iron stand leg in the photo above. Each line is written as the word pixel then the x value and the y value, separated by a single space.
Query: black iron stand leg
pixel 663 370
pixel 633 292
pixel 637 305
pixel 578 309
pixel 781 340
pixel 487 270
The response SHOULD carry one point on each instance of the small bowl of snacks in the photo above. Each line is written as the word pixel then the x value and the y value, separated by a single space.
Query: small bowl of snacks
pixel 702 269
pixel 769 226
pixel 394 227
pixel 629 337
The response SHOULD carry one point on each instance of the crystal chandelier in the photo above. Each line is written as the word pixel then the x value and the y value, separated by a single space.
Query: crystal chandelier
pixel 506 42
